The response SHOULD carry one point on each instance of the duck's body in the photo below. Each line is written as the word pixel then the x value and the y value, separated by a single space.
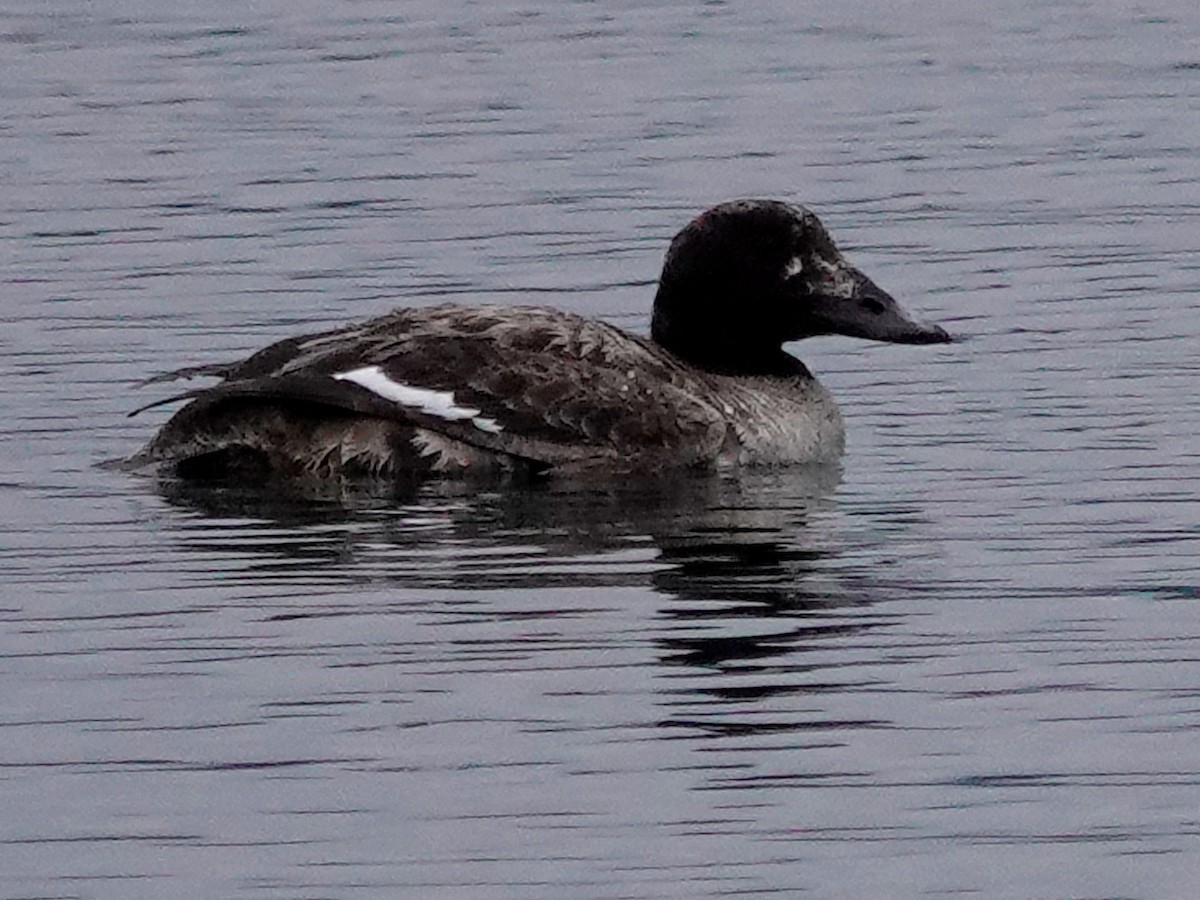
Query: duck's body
pixel 454 389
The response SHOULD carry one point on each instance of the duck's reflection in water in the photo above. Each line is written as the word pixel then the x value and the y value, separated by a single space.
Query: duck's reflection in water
pixel 756 584
pixel 740 532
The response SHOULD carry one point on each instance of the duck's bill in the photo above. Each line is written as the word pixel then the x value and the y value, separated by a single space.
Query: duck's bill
pixel 868 311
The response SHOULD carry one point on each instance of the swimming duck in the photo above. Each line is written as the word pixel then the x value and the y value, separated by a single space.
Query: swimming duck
pixel 455 389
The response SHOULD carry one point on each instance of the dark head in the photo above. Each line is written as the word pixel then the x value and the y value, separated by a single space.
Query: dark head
pixel 749 275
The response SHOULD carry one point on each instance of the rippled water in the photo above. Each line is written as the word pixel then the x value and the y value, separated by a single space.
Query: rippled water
pixel 966 663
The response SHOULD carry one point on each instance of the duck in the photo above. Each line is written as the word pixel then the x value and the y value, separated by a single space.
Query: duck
pixel 450 390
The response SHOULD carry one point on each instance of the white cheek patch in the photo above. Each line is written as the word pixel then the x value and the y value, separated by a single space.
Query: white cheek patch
pixel 794 267
pixel 428 401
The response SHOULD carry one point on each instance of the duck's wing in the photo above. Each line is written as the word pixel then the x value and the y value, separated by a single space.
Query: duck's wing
pixel 536 384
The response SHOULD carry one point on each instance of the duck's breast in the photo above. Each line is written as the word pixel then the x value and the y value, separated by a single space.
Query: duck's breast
pixel 779 421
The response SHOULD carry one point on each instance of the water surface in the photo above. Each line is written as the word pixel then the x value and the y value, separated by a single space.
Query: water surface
pixel 964 662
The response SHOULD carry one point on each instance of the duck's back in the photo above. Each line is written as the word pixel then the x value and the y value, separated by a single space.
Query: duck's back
pixel 454 388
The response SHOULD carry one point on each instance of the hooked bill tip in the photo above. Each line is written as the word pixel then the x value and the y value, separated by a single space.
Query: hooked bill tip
pixel 933 334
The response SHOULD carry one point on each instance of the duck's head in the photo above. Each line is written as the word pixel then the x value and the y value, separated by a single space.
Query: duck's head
pixel 750 275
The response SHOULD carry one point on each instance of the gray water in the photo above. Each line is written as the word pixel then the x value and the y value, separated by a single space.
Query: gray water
pixel 966 663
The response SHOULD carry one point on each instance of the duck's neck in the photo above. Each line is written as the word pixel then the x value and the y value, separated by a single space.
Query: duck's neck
pixel 767 363
pixel 722 347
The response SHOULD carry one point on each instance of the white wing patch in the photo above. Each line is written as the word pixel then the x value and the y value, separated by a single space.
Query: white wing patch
pixel 431 402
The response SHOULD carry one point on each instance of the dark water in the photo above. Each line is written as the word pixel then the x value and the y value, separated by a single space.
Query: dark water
pixel 968 663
